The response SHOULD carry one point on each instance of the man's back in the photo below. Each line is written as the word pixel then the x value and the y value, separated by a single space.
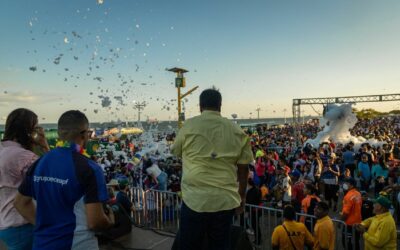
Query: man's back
pixel 62 182
pixel 324 234
pixel 352 204
pixel 348 157
pixel 298 233
pixel 211 146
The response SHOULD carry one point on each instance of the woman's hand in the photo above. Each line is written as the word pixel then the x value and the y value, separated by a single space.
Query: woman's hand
pixel 39 139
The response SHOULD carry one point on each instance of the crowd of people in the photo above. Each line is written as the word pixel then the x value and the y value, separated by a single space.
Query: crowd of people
pixel 298 179
pixel 303 177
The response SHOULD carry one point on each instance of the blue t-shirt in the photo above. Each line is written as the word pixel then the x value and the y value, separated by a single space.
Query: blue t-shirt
pixel 62 182
pixel 348 158
pixel 365 170
pixel 377 170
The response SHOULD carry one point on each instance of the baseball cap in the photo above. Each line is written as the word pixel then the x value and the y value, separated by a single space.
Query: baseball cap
pixel 113 182
pixel 259 153
pixel 383 201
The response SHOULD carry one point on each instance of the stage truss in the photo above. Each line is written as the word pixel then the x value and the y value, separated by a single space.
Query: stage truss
pixel 296 107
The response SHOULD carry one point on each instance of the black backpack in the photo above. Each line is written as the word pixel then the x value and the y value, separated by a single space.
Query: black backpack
pixel 123 225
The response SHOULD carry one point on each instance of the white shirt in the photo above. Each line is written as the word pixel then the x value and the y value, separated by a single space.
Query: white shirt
pixel 286 184
pixel 154 170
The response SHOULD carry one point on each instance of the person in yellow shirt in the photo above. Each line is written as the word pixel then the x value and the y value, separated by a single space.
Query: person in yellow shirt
pixel 291 235
pixel 215 156
pixel 324 230
pixel 379 232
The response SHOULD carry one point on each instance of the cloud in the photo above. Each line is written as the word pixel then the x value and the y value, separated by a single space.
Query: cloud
pixel 22 97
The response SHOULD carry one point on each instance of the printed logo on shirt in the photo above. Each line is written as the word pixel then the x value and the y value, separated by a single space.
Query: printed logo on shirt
pixel 50 179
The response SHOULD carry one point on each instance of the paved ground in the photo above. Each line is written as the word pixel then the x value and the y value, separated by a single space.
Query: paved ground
pixel 141 239
pixel 138 239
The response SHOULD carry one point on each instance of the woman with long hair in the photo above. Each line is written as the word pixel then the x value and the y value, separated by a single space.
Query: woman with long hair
pixel 21 136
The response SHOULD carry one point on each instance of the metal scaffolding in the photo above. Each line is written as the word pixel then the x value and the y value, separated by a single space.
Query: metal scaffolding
pixel 296 108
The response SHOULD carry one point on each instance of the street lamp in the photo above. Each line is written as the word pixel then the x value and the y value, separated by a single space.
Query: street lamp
pixel 284 114
pixel 139 106
pixel 180 82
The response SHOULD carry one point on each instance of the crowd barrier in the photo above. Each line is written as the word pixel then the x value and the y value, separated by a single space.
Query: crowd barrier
pixel 160 210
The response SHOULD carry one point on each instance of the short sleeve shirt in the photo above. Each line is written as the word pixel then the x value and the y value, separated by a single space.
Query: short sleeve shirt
pixel 211 147
pixel 14 162
pixel 297 232
pixel 62 182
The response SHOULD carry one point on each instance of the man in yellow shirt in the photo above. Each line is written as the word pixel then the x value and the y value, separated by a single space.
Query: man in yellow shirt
pixel 215 156
pixel 324 231
pixel 379 232
pixel 291 235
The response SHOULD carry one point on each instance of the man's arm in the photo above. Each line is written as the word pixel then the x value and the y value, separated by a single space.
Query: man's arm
pixel 347 205
pixel 242 173
pixel 381 236
pixel 275 239
pixel 176 148
pixel 309 240
pixel 25 207
pixel 96 217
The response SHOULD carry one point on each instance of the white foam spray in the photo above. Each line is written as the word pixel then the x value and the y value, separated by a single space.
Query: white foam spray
pixel 337 122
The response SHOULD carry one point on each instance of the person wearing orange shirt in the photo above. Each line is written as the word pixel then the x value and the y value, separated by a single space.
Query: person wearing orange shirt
pixel 308 205
pixel 351 212
pixel 291 235
pixel 324 231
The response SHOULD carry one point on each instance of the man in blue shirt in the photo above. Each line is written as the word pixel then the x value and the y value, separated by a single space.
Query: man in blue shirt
pixel 69 190
pixel 364 172
pixel 349 160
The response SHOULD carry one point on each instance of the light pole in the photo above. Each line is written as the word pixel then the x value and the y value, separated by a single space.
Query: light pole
pixel 139 106
pixel 258 113
pixel 180 82
pixel 284 114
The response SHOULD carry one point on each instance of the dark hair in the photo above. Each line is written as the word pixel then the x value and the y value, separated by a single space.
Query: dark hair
pixel 147 163
pixel 121 186
pixel 382 162
pixel 311 188
pixel 20 125
pixel 71 123
pixel 289 213
pixel 323 206
pixel 211 99
pixel 250 181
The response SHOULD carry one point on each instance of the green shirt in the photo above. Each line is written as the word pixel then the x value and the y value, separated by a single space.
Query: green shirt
pixel 211 147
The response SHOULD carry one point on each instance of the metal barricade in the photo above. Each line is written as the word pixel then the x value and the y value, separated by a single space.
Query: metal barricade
pixel 156 209
pixel 160 210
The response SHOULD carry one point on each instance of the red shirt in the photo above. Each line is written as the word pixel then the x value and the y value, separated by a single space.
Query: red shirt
pixel 298 191
pixel 260 167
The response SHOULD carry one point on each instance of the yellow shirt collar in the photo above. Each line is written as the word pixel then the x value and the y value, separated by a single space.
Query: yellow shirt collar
pixel 210 112
pixel 383 215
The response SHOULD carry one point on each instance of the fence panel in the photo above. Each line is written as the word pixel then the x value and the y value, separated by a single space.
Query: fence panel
pixel 160 210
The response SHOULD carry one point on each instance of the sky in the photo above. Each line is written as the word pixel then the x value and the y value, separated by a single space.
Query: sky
pixel 103 56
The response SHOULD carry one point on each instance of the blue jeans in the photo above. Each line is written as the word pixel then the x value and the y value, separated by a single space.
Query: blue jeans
pixel 195 227
pixel 18 238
